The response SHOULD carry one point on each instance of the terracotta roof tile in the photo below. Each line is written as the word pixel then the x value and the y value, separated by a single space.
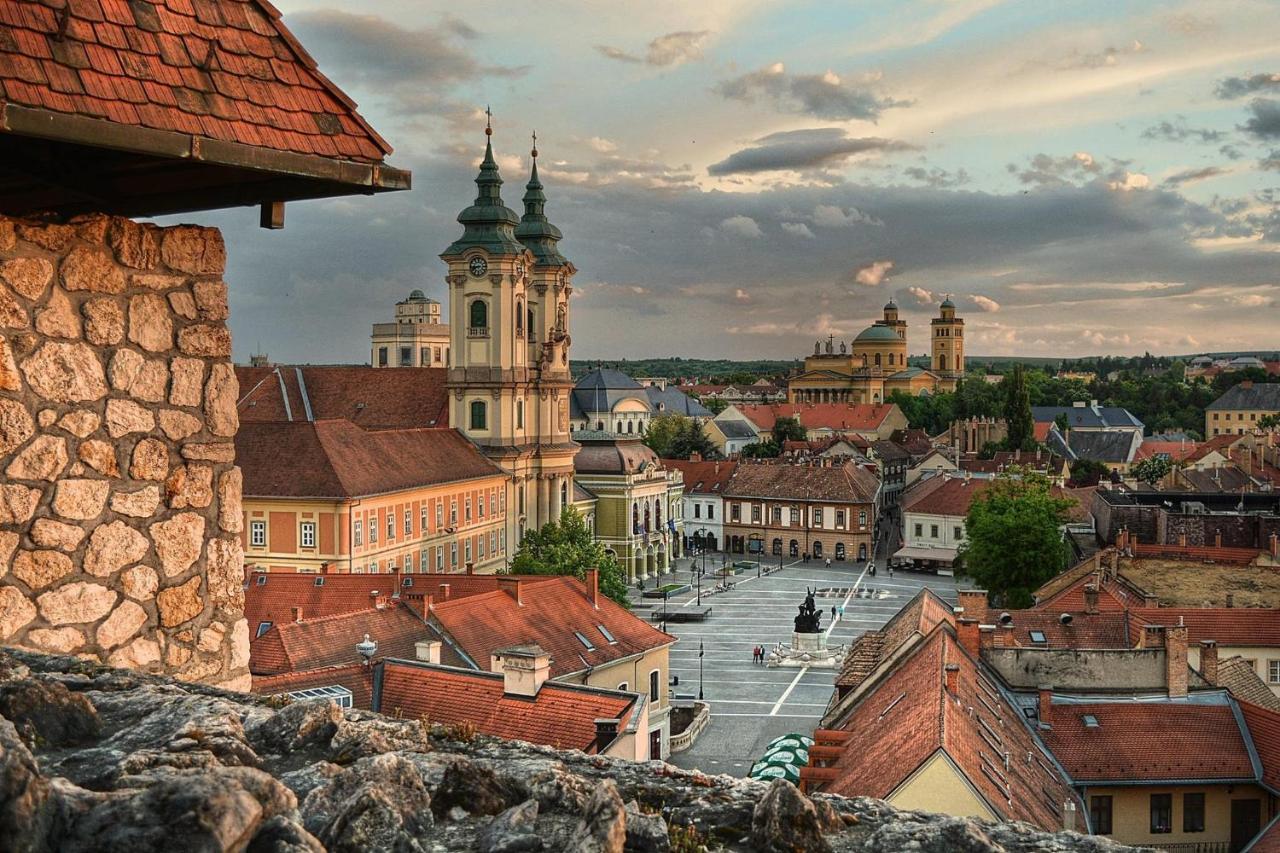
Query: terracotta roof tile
pixel 951 496
pixel 373 398
pixel 1227 626
pixel 845 483
pixel 560 715
pixel 356 677
pixel 322 641
pixel 832 416
pixel 1240 677
pixel 703 478
pixel 112 46
pixel 1264 728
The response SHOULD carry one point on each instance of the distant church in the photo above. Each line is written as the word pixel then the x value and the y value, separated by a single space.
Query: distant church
pixel 875 364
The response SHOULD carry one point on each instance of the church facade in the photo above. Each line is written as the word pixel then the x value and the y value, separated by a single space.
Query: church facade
pixel 874 364
pixel 508 380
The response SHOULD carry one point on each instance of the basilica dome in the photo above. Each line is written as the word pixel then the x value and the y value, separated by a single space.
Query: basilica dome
pixel 877 334
pixel 605 454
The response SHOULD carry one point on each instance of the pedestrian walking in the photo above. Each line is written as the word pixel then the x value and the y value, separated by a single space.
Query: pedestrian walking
pixel 833 612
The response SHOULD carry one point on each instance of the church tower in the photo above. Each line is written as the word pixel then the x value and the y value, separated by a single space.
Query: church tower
pixel 948 344
pixel 509 381
pixel 892 320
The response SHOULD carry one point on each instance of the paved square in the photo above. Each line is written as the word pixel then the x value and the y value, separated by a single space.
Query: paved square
pixel 752 704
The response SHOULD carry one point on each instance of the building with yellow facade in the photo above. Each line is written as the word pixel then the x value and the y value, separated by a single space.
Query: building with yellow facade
pixel 417 338
pixel 874 364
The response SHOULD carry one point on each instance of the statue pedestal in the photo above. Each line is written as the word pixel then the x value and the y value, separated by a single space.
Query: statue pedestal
pixel 806 650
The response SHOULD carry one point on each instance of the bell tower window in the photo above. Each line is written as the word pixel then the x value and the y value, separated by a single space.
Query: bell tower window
pixel 479 415
pixel 479 315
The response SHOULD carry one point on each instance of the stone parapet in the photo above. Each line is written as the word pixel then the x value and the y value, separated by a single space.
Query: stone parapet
pixel 120 500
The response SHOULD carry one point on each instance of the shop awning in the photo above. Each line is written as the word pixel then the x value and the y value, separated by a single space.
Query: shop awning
pixel 936 555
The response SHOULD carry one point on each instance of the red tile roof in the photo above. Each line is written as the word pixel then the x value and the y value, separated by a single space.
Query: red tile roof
pixel 1175 450
pixel 1264 728
pixel 912 716
pixel 552 610
pixel 1227 626
pixel 1104 630
pixel 337 459
pixel 844 483
pixel 560 715
pixel 373 398
pixel 331 640
pixel 951 496
pixel 227 70
pixel 703 478
pixel 356 677
pixel 1154 741
pixel 920 615
pixel 833 416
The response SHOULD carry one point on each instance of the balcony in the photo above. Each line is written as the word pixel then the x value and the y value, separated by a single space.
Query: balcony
pixel 477 331
pixel 1192 847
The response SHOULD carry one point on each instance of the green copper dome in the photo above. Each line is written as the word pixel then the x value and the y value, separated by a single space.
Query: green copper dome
pixel 947 303
pixel 535 231
pixel 488 224
pixel 872 334
pixel 891 306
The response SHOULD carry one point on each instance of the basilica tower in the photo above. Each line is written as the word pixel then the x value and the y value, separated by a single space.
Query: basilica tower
pixel 893 321
pixel 509 381
pixel 948 343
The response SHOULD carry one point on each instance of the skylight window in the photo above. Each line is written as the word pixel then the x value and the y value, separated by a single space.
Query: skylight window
pixel 262 580
pixel 319 581
pixel 1090 721
pixel 263 627
pixel 584 641
pixel 339 694
pixel 1037 637
pixel 604 632
pixel 407 582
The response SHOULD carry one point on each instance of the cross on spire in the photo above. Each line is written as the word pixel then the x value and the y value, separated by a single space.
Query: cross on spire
pixel 535 145
pixel 488 121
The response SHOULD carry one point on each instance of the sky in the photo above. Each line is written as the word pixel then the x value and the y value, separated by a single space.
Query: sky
pixel 739 179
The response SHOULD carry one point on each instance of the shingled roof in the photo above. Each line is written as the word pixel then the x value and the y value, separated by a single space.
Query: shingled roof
pixel 331 640
pixel 847 483
pixel 373 398
pixel 172 105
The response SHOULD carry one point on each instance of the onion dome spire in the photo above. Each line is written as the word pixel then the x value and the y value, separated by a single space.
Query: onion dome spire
pixel 535 231
pixel 488 223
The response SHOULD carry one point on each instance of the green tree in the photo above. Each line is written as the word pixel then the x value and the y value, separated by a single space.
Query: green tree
pixel 714 405
pixel 691 438
pixel 1269 422
pixel 787 429
pixel 1012 539
pixel 1063 423
pixel 1017 411
pixel 1152 469
pixel 662 433
pixel 1087 472
pixel 566 547
pixel 767 449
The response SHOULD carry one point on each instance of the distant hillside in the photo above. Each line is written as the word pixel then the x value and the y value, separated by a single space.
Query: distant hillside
pixel 707 370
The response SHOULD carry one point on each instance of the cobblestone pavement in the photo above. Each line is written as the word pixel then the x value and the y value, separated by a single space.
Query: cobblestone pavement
pixel 752 704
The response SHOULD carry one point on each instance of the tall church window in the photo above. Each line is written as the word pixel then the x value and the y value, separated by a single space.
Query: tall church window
pixel 564 493
pixel 479 416
pixel 479 318
pixel 519 414
pixel 619 429
pixel 519 318
pixel 529 322
pixel 631 427
pixel 877 359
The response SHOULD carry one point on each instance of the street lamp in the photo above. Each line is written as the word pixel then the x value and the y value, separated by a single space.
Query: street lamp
pixel 700 653
pixel 665 593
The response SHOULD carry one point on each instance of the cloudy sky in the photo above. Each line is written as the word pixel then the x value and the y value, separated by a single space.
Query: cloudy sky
pixel 737 179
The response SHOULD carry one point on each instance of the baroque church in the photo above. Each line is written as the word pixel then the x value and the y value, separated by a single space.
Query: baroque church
pixel 875 365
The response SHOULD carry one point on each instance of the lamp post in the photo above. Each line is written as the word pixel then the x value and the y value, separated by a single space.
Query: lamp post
pixel 664 609
pixel 700 653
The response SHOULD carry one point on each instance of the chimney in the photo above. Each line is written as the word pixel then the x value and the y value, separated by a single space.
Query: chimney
pixel 695 456
pixel 1231 599
pixel 1069 816
pixel 471 568
pixel 1175 655
pixel 1182 539
pixel 593 586
pixel 444 591
pixel 952 675
pixel 1209 661
pixel 427 650
pixel 973 602
pixel 1152 637
pixel 1274 545
pixel 986 637
pixel 325 568
pixel 606 733
pixel 1217 538
pixel 967 634
pixel 420 604
pixel 523 669
pixel 1045 707
pixel 1091 600
pixel 296 613
pixel 512 587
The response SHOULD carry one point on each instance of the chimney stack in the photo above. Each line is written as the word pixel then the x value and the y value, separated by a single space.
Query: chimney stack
pixel 296 613
pixel 1217 538
pixel 427 650
pixel 972 602
pixel 593 586
pixel 986 637
pixel 523 669
pixel 1274 545
pixel 967 634
pixel 1175 650
pixel 695 456
pixel 1045 707
pixel 1209 661
pixel 1231 599
pixel 606 732
pixel 512 587
pixel 952 675
pixel 1152 637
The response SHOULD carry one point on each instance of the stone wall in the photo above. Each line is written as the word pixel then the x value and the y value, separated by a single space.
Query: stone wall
pixel 120 502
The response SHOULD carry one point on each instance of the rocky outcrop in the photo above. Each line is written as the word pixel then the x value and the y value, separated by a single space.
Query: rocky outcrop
pixel 95 759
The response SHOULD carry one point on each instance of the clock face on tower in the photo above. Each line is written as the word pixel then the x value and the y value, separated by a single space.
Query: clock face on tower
pixel 478 267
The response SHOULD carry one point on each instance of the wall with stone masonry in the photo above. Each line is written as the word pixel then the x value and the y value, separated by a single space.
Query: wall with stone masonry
pixel 119 497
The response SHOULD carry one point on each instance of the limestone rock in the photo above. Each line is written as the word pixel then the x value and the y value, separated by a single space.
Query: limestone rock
pixel 513 831
pixel 210 639
pixel 379 803
pixel 112 547
pixel 150 460
pixel 211 298
pixel 58 317
pixel 195 250
pixel 75 603
pixel 48 533
pixel 211 340
pixel 140 654
pixel 80 423
pixel 188 382
pixel 16 611
pixel 178 425
pixel 177 604
pixel 42 459
pixel 183 304
pixel 16 425
pixel 93 269
pixel 151 381
pixel 220 400
pixel 230 507
pixel 39 569
pixel 80 500
pixel 123 369
pixel 64 372
pixel 27 276
pixel 100 456
pixel 239 645
pixel 91 227
pixel 123 623
pixel 58 641
pixel 785 820
pixel 51 236
pixel 156 281
pixel 646 833
pixel 10 379
pixel 17 503
pixel 126 416
pixel 103 322
pixel 213 452
pixel 298 725
pixel 141 503
pixel 603 826
pixel 178 542
pixel 190 486
pixel 49 711
pixel 150 323
pixel 140 583
pixel 8 544
pixel 135 245
pixel 12 314
pixel 46 417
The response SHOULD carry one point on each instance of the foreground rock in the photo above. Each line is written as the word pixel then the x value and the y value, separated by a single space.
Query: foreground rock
pixel 107 760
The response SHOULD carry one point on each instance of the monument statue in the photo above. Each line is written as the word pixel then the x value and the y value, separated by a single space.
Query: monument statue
pixel 808 622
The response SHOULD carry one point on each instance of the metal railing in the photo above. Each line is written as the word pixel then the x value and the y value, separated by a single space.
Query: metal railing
pixel 1192 847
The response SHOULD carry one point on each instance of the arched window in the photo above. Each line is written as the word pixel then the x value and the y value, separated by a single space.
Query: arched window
pixel 794 548
pixel 817 549
pixel 519 317
pixel 564 493
pixel 479 315
pixel 519 414
pixel 631 426
pixel 777 547
pixel 657 514
pixel 619 429
pixel 942 362
pixel 529 321
pixel 877 359
pixel 479 417
pixel 635 518
pixel 646 518
pixel 600 426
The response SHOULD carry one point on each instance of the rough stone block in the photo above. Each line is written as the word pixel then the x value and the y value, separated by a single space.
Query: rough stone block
pixel 126 416
pixel 16 611
pixel 112 547
pixel 141 503
pixel 220 396
pixel 150 460
pixel 178 542
pixel 123 623
pixel 178 425
pixel 42 459
pixel 103 322
pixel 134 245
pixel 181 603
pixel 10 379
pixel 58 641
pixel 80 423
pixel 140 583
pixel 17 503
pixel 65 372
pixel 12 314
pixel 48 533
pixel 16 425
pixel 150 323
pixel 211 299
pixel 183 304
pixel 93 269
pixel 80 500
pixel 76 603
pixel 52 237
pixel 27 276
pixel 100 456
pixel 188 382
pixel 205 339
pixel 230 507
pixel 190 486
pixel 58 317
pixel 195 250
pixel 40 569
pixel 215 452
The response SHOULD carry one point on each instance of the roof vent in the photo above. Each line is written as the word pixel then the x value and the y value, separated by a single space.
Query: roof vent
pixel 373 593
pixel 1006 618
pixel 359 406
pixel 367 648
pixel 1091 722
pixel 1065 618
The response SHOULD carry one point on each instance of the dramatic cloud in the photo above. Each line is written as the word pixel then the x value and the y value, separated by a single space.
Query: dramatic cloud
pixel 1180 132
pixel 920 295
pixel 831 216
pixel 797 229
pixel 801 150
pixel 985 303
pixel 1252 300
pixel 1238 87
pixel 741 226
pixel 1190 176
pixel 1265 122
pixel 824 96
pixel 937 177
pixel 873 273
pixel 1047 170
pixel 1271 161
pixel 670 49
